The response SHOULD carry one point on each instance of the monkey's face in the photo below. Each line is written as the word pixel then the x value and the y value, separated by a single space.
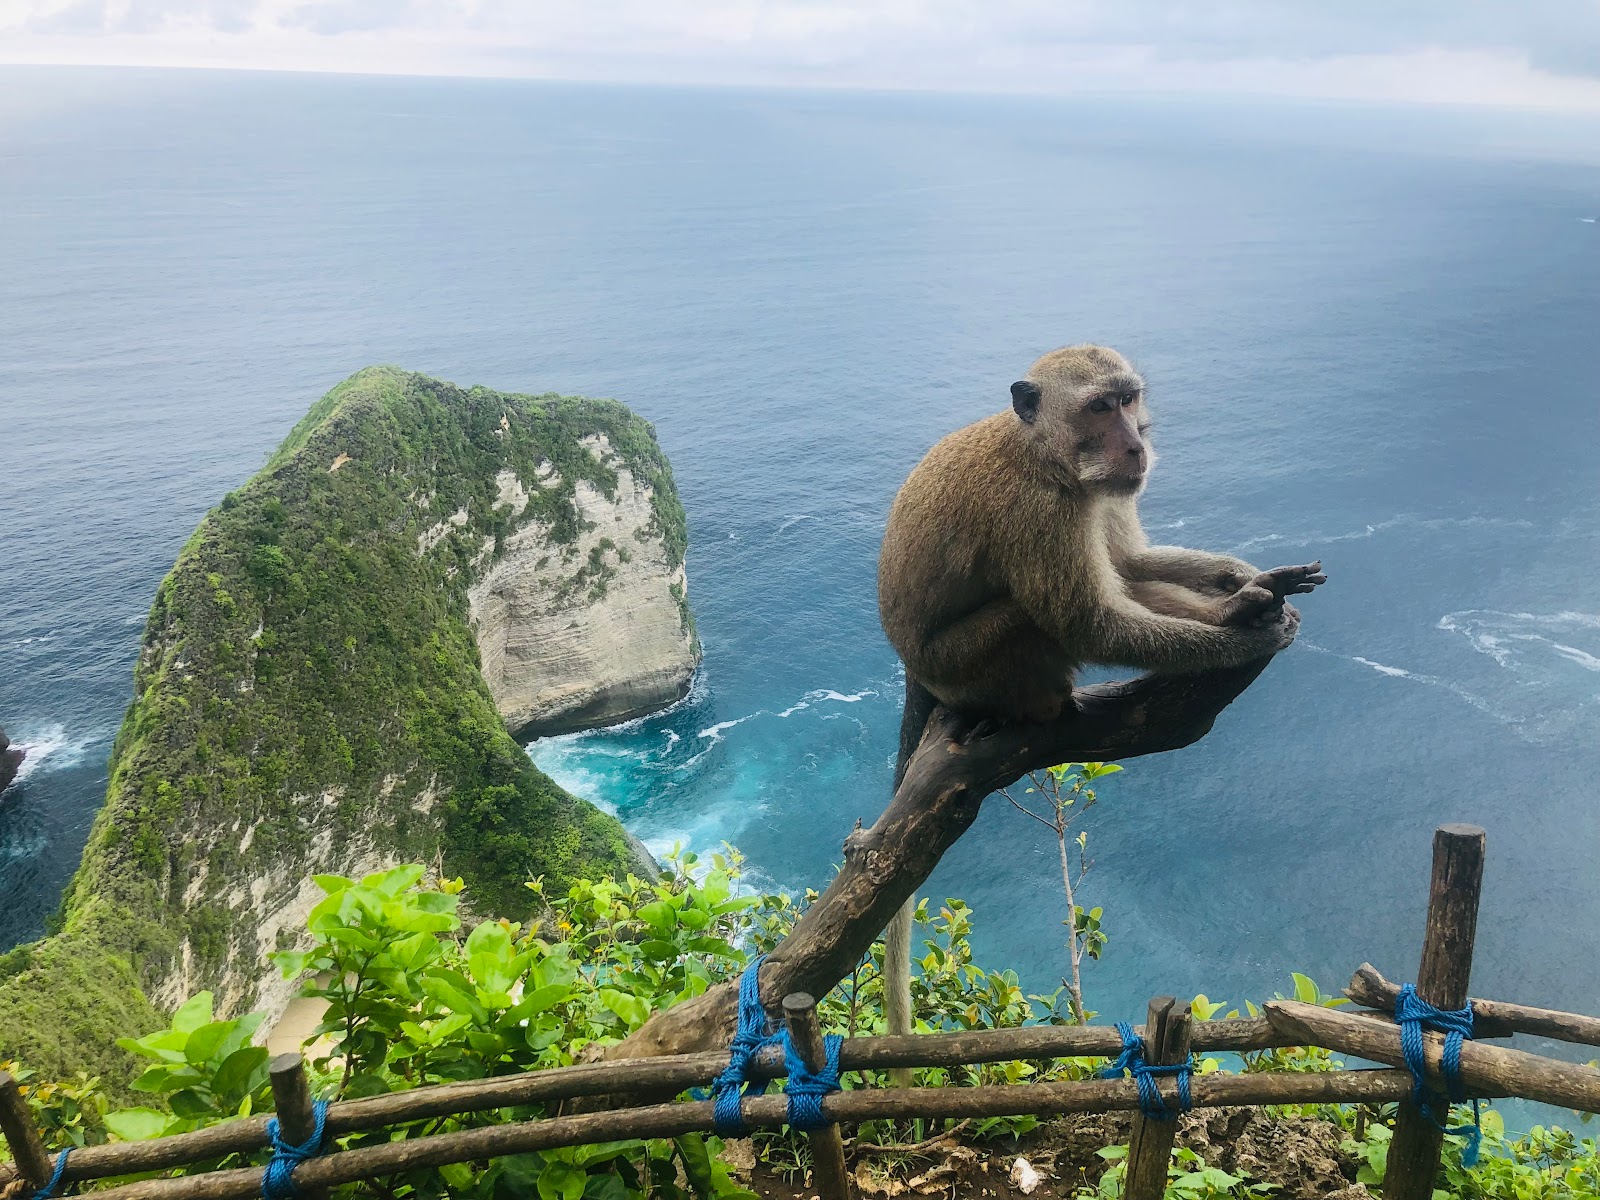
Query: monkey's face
pixel 1087 415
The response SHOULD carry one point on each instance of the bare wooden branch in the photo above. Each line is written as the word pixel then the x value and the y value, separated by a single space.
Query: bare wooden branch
pixel 22 1135
pixel 669 1073
pixel 831 1175
pixel 1150 1144
pixel 937 1141
pixel 673 1120
pixel 1442 981
pixel 1490 1018
pixel 1485 1070
pixel 937 801
pixel 291 1098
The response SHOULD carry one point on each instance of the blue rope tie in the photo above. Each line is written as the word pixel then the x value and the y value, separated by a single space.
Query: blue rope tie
pixel 1145 1075
pixel 749 1039
pixel 806 1088
pixel 1414 1014
pixel 49 1190
pixel 277 1180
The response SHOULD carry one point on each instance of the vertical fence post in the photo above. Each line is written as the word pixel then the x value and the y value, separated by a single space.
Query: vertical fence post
pixel 1166 1040
pixel 22 1135
pixel 1441 981
pixel 291 1098
pixel 828 1169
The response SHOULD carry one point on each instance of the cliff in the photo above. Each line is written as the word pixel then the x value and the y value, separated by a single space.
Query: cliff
pixel 600 633
pixel 309 697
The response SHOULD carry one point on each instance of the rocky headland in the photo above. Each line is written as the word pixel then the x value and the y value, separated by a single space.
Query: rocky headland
pixel 10 760
pixel 329 681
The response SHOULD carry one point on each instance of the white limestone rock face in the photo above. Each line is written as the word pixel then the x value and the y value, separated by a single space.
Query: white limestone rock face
pixel 586 634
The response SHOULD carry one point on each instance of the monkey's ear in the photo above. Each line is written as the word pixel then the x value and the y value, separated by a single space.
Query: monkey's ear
pixel 1025 397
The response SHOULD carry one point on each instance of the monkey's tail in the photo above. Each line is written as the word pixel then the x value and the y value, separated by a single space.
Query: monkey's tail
pixel 920 704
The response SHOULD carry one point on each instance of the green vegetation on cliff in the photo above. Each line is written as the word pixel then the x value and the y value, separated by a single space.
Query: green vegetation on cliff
pixel 308 697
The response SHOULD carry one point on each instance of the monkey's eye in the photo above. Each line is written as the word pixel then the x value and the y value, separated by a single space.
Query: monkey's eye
pixel 1129 398
pixel 1099 405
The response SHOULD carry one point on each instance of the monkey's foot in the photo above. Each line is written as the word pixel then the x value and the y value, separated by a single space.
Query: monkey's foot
pixel 1290 581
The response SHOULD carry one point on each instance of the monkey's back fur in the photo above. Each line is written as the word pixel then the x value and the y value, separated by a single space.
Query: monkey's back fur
pixel 979 508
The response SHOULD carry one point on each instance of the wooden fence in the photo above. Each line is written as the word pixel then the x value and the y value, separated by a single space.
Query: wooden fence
pixel 1169 1035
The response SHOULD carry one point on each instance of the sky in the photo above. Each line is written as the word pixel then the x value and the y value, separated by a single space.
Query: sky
pixel 1542 54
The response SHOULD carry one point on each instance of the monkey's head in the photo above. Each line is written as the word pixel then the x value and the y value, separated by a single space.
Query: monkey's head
pixel 1082 408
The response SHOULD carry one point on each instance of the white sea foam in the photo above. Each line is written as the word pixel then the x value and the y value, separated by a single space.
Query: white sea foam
pixel 792 709
pixel 51 750
pixel 1383 669
pixel 830 694
pixel 1545 698
pixel 795 519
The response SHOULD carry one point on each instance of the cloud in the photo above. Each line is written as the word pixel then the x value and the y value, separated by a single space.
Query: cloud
pixel 1531 52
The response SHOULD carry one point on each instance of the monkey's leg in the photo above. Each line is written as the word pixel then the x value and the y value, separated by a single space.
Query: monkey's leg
pixel 996 662
pixel 1177 600
pixel 1197 570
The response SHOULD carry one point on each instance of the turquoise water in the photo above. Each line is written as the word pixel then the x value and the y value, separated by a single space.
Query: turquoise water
pixel 1370 336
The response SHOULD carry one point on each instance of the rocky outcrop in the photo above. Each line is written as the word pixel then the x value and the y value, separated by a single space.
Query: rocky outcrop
pixel 590 633
pixel 309 699
pixel 10 760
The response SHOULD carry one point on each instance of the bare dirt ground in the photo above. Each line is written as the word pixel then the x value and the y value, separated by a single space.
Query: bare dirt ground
pixel 1301 1157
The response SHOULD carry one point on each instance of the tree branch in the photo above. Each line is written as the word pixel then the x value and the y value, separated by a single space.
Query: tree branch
pixel 944 786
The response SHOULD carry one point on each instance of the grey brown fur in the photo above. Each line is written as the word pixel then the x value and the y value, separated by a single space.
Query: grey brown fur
pixel 1014 555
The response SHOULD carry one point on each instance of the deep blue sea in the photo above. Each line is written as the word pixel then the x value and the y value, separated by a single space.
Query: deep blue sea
pixel 1372 336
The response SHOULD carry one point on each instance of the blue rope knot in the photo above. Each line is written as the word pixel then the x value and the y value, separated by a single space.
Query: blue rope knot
pixel 806 1088
pixel 1414 1014
pixel 751 1037
pixel 50 1190
pixel 1145 1075
pixel 277 1180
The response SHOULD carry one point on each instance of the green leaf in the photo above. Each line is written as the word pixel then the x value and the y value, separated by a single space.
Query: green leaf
pixel 630 1008
pixel 658 915
pixel 203 1042
pixel 194 1013
pixel 190 1103
pixel 454 998
pixel 238 1070
pixel 332 883
pixel 696 1162
pixel 1305 988
pixel 559 1181
pixel 137 1124
pixel 392 882
pixel 292 962
pixel 540 999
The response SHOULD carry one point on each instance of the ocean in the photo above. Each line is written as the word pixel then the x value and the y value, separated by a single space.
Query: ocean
pixel 1370 336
